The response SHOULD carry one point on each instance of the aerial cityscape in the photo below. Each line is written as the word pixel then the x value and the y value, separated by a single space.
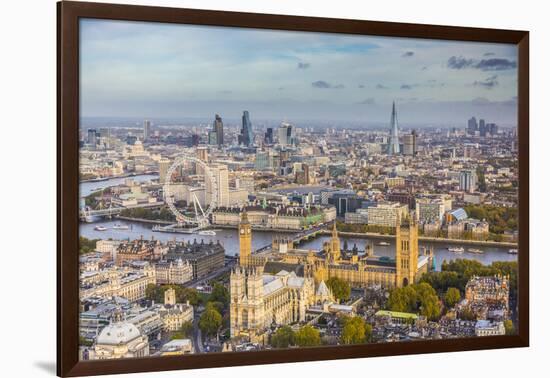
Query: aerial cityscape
pixel 373 202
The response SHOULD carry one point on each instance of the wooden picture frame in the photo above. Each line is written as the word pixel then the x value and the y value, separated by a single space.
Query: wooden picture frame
pixel 69 14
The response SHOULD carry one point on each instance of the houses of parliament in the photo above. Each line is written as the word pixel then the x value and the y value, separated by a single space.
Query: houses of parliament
pixel 278 286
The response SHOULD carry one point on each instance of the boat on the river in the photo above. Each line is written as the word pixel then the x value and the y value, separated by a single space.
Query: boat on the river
pixel 120 227
pixel 475 250
pixel 456 249
pixel 383 243
pixel 513 251
pixel 100 228
pixel 207 233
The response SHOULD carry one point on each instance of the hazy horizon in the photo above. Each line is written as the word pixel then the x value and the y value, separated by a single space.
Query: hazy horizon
pixel 168 71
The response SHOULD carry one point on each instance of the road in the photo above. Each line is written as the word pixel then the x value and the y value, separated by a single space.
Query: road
pixel 229 265
pixel 197 335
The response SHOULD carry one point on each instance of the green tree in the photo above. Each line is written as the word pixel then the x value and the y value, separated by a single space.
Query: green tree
pixel 428 301
pixel 415 298
pixel 467 314
pixel 500 218
pixel 210 321
pixel 190 294
pixel 283 337
pixel 442 281
pixel 402 299
pixel 186 328
pixel 355 330
pixel 219 294
pixel 465 269
pixel 509 327
pixel 217 305
pixel 152 292
pixel 340 288
pixel 86 245
pixel 452 297
pixel 308 336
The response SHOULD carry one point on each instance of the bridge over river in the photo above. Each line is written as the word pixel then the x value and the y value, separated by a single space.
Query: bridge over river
pixel 88 215
pixel 300 236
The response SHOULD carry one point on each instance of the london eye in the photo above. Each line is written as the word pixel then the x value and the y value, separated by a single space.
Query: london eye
pixel 196 213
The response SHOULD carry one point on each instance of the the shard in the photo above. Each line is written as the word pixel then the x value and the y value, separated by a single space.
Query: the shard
pixel 393 142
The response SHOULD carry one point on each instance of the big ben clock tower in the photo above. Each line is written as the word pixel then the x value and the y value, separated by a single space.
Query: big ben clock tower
pixel 245 240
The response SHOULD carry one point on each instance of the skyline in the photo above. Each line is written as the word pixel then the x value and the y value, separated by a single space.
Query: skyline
pixel 144 72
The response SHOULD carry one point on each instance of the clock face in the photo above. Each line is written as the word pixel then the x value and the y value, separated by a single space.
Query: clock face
pixel 242 230
pixel 248 231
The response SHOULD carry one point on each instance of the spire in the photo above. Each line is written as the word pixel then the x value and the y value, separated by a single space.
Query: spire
pixel 244 217
pixel 393 142
pixel 334 231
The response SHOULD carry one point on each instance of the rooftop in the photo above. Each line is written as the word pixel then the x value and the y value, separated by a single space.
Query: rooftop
pixel 397 314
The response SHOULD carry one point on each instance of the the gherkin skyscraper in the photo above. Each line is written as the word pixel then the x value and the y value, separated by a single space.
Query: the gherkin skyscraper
pixel 393 142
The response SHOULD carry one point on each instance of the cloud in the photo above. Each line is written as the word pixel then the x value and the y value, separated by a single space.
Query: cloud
pixel 408 86
pixel 320 84
pixel 488 83
pixel 459 62
pixel 361 86
pixel 368 101
pixel 424 68
pixel 380 86
pixel 303 65
pixel 407 54
pixel 495 64
pixel 491 64
pixel 489 54
pixel 324 85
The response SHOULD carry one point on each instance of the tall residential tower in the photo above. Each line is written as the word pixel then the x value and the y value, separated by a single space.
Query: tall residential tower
pixel 146 129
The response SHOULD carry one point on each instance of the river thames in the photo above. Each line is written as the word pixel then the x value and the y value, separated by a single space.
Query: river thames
pixel 87 188
pixel 228 237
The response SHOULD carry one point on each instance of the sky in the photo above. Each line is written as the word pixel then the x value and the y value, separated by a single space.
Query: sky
pixel 155 70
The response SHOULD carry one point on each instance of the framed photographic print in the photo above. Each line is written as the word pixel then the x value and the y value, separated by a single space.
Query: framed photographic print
pixel 238 188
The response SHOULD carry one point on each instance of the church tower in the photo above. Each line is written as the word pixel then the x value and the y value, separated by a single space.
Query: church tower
pixel 334 247
pixel 406 251
pixel 245 240
pixel 170 297
pixel 247 301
